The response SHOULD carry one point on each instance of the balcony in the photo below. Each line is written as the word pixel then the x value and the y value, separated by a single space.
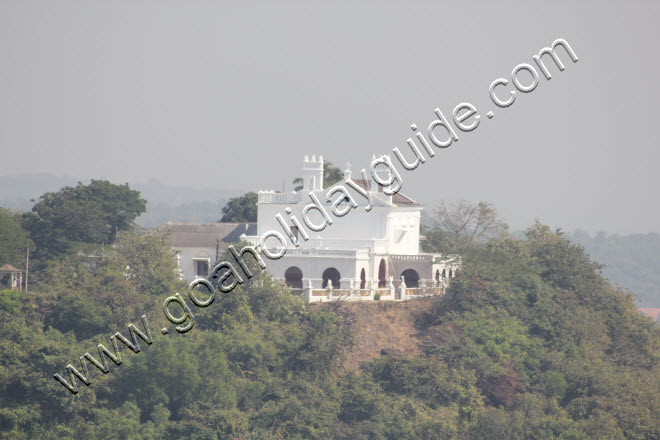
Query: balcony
pixel 275 197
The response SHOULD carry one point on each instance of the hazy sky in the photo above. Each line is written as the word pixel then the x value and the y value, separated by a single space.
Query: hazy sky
pixel 226 94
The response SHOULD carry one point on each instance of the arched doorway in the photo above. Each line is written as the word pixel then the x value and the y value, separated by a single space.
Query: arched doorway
pixel 437 277
pixel 293 277
pixel 411 278
pixel 382 274
pixel 363 279
pixel 331 274
pixel 451 274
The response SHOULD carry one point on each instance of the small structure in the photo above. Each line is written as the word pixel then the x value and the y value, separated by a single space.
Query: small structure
pixel 11 278
pixel 198 244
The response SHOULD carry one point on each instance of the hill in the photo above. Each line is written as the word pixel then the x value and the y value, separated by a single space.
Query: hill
pixel 530 342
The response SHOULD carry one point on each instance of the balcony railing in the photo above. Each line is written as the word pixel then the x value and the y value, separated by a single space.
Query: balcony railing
pixel 314 291
pixel 275 197
pixel 328 246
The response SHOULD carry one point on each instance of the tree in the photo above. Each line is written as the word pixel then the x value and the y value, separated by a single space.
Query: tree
pixel 298 181
pixel 241 209
pixel 459 226
pixel 14 240
pixel 331 175
pixel 147 261
pixel 92 213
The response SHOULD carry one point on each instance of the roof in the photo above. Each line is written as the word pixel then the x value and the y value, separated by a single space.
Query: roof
pixel 205 234
pixel 9 268
pixel 400 199
pixel 397 197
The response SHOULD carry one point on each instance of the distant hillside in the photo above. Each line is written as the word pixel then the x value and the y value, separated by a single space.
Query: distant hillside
pixel 632 261
pixel 16 191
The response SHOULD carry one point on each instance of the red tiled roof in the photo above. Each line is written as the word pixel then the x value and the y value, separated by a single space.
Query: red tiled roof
pixel 397 198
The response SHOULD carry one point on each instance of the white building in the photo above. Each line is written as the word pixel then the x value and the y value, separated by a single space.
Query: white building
pixel 198 245
pixel 358 256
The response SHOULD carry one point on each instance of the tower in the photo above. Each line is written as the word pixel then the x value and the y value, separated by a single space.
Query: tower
pixel 313 173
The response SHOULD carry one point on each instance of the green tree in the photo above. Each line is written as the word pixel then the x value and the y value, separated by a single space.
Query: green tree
pixel 331 174
pixel 147 262
pixel 14 240
pixel 241 209
pixel 92 213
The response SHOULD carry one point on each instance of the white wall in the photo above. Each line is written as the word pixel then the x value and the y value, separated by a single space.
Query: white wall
pixel 399 225
pixel 313 267
pixel 187 256
pixel 403 231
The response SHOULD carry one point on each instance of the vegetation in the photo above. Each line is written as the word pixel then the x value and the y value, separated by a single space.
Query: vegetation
pixel 241 209
pixel 92 213
pixel 14 240
pixel 463 225
pixel 530 342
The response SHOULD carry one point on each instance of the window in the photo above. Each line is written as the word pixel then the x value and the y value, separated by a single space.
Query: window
pixel 201 267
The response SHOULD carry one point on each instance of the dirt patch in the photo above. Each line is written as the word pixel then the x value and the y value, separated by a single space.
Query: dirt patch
pixel 382 325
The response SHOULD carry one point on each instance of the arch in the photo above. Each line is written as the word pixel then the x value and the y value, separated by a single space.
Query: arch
pixel 331 274
pixel 444 273
pixel 293 277
pixel 382 274
pixel 451 274
pixel 410 277
pixel 437 277
pixel 363 279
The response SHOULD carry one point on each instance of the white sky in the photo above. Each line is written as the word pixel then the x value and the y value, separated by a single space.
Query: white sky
pixel 231 95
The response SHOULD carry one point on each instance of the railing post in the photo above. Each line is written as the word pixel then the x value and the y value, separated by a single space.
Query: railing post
pixel 402 288
pixel 308 290
pixel 423 283
pixel 392 292
pixel 351 290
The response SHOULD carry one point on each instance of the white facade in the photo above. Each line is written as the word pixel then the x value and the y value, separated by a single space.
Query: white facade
pixel 359 255
pixel 198 244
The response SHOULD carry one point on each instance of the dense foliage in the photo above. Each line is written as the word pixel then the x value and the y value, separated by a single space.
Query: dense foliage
pixel 92 213
pixel 529 343
pixel 14 240
pixel 241 209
